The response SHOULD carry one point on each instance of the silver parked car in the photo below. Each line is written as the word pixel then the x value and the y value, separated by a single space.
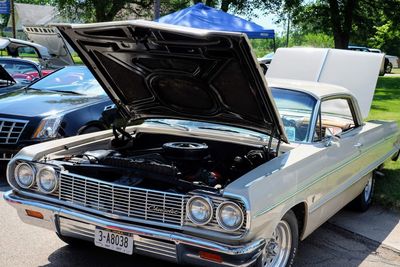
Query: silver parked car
pixel 219 168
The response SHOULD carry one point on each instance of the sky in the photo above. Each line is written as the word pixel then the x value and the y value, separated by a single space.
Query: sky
pixel 267 21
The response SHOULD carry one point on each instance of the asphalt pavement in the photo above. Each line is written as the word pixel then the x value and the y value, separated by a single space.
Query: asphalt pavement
pixel 25 245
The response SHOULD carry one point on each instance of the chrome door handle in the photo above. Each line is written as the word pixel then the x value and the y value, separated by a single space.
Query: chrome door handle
pixel 358 145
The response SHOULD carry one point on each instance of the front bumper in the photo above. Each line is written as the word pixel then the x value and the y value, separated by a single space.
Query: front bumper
pixel 171 246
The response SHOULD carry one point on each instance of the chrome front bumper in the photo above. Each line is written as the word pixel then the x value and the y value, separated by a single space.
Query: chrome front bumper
pixel 172 246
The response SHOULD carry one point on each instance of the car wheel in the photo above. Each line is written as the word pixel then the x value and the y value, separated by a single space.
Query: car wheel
pixel 282 248
pixel 90 129
pixel 389 68
pixel 364 200
pixel 73 242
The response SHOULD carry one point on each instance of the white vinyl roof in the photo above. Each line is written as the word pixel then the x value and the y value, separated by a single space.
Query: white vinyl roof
pixel 317 89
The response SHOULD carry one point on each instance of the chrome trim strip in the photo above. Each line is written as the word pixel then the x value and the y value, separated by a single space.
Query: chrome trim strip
pixel 343 187
pixel 178 238
pixel 316 179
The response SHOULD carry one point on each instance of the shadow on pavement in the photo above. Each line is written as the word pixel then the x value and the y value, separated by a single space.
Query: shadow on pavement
pixel 93 256
pixel 332 246
pixel 328 246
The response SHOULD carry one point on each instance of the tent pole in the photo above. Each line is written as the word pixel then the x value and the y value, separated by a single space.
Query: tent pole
pixel 12 7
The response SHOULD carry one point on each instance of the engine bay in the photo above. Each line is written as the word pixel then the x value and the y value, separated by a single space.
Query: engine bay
pixel 170 163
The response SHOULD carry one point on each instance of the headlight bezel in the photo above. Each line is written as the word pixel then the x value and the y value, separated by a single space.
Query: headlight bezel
pixel 219 217
pixel 210 205
pixel 16 176
pixel 55 175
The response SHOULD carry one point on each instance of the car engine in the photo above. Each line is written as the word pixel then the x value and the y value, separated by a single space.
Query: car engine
pixel 176 166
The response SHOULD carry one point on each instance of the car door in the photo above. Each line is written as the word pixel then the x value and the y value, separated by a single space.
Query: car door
pixel 337 128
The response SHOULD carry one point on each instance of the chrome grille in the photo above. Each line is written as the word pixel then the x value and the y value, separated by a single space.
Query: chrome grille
pixel 11 130
pixel 136 203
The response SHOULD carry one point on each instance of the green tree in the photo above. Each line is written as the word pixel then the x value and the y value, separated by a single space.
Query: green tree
pixel 346 20
pixel 101 10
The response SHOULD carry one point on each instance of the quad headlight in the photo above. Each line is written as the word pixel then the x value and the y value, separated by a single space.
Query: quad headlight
pixel 24 175
pixel 47 179
pixel 199 210
pixel 230 216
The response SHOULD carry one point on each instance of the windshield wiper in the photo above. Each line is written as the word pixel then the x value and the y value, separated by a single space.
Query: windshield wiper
pixel 176 126
pixel 66 92
pixel 57 91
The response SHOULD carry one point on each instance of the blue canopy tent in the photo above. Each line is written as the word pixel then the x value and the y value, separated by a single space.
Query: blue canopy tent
pixel 204 17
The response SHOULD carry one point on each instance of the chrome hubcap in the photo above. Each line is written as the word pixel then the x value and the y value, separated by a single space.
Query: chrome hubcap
pixel 277 251
pixel 368 190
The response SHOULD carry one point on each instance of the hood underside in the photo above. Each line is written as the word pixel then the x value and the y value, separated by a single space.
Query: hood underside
pixel 153 70
pixel 49 37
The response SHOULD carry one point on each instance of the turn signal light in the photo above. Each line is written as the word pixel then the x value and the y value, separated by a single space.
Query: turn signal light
pixel 210 256
pixel 34 214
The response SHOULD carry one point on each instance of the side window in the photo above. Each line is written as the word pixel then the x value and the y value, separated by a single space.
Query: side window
pixel 335 117
pixel 27 52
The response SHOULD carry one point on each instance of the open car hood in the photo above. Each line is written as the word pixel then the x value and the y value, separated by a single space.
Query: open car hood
pixel 154 70
pixel 49 37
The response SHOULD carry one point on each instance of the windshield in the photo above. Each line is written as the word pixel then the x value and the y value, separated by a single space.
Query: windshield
pixel 296 109
pixel 78 80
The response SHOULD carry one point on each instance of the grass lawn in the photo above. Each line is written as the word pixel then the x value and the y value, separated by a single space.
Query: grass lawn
pixel 386 106
pixel 395 71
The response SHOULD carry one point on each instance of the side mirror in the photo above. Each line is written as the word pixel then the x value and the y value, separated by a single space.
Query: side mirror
pixel 330 140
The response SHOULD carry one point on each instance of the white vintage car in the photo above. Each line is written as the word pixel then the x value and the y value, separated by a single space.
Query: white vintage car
pixel 219 169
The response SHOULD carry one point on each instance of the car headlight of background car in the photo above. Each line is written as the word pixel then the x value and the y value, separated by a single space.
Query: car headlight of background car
pixel 199 210
pixel 230 216
pixel 47 179
pixel 48 127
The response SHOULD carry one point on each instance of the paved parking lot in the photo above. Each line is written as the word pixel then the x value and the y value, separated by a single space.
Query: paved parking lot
pixel 24 245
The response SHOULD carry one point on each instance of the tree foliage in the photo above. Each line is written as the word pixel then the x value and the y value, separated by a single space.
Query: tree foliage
pixel 348 21
pixel 101 10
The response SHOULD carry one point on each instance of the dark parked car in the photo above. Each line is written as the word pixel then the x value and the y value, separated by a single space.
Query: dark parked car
pixel 386 66
pixel 67 102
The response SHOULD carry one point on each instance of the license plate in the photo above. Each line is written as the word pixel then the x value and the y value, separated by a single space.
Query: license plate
pixel 114 240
